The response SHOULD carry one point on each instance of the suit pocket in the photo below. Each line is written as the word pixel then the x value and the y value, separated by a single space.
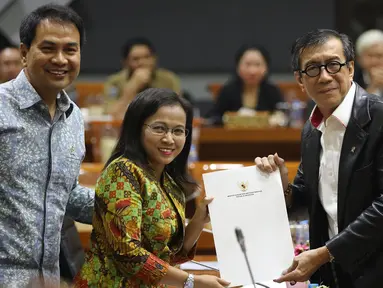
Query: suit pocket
pixel 363 178
pixel 361 191
pixel 369 165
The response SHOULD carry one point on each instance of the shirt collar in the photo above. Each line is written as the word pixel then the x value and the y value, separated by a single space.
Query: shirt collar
pixel 27 95
pixel 63 101
pixel 342 113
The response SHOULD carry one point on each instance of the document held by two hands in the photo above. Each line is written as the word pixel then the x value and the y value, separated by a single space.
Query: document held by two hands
pixel 253 201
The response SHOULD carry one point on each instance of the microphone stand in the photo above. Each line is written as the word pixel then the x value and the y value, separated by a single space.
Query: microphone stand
pixel 241 241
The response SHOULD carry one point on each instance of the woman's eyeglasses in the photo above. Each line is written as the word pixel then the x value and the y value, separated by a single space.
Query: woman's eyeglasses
pixel 162 130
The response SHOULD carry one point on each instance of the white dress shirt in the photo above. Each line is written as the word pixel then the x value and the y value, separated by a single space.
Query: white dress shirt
pixel 333 129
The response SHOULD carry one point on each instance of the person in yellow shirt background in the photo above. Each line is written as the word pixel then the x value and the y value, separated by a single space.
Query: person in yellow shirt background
pixel 140 71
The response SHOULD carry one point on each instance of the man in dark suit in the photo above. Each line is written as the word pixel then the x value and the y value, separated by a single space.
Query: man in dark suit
pixel 340 177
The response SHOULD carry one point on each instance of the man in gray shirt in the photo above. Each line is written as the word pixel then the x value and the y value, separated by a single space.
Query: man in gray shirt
pixel 42 146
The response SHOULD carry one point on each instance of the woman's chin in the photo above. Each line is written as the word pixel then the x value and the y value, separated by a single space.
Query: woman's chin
pixel 252 81
pixel 166 160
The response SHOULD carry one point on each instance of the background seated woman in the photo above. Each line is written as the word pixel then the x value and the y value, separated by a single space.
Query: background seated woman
pixel 249 87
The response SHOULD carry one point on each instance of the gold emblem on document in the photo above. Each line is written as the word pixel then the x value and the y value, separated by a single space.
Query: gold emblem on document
pixel 243 185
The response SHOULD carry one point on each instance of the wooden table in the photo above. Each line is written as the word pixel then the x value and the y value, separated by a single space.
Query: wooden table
pixel 222 144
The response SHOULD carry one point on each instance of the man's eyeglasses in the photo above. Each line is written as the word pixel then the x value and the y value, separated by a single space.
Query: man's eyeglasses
pixel 162 130
pixel 314 70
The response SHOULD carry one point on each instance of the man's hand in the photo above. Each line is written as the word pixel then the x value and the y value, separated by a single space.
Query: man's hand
pixel 272 163
pixel 304 265
pixel 142 77
pixel 376 75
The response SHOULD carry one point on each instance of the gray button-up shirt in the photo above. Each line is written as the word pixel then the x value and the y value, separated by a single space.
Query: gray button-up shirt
pixel 39 164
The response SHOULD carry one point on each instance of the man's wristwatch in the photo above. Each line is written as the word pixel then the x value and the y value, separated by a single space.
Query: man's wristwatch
pixel 330 255
pixel 189 283
pixel 287 194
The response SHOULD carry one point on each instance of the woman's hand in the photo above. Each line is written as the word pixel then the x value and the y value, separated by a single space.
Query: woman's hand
pixel 209 281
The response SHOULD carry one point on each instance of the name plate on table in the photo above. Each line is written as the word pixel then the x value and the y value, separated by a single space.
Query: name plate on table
pixel 238 120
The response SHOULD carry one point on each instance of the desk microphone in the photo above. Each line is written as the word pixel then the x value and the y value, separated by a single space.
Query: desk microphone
pixel 241 241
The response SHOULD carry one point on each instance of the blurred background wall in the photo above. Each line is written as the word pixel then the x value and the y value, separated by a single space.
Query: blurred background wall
pixel 198 39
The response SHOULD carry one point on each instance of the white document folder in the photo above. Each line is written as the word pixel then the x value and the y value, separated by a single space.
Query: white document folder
pixel 254 202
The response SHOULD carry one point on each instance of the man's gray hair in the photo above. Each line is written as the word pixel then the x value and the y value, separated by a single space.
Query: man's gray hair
pixel 368 39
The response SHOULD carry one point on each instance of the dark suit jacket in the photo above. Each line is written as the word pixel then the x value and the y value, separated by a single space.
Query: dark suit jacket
pixel 230 98
pixel 358 248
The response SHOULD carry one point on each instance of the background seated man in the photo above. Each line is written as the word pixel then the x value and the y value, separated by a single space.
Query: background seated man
pixel 139 72
pixel 10 63
pixel 369 51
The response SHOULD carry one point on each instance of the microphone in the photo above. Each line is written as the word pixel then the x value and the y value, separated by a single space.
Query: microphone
pixel 240 239
pixel 241 242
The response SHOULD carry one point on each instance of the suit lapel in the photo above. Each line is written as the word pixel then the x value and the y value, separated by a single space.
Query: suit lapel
pixel 312 150
pixel 354 139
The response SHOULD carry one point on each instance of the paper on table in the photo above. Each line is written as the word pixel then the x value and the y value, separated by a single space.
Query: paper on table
pixel 253 201
pixel 196 266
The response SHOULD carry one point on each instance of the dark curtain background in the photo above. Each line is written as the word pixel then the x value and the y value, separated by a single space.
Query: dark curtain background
pixel 198 36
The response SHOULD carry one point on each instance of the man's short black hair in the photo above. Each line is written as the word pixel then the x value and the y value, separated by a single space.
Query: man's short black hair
pixel 317 38
pixel 136 41
pixel 54 12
